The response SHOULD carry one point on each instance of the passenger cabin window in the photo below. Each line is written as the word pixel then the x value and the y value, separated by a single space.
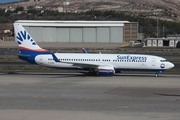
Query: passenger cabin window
pixel 163 60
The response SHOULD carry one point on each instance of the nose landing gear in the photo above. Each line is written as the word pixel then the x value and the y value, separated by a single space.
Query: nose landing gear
pixel 158 72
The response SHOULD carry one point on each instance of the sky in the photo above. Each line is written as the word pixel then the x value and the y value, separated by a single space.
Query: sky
pixel 6 1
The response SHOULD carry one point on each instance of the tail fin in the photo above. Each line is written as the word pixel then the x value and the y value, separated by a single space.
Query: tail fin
pixel 29 49
pixel 26 43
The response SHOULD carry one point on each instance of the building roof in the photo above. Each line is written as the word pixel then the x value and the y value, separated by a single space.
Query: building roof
pixel 70 23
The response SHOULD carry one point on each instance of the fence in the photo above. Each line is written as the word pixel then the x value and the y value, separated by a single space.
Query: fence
pixel 160 42
pixel 8 39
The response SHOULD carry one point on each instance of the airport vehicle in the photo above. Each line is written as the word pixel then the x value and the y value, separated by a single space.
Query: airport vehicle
pixel 100 64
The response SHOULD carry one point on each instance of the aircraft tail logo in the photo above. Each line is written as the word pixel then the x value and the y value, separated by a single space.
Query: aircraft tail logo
pixel 25 41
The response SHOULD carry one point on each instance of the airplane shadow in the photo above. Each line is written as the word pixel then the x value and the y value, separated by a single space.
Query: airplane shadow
pixel 77 74
pixel 48 74
pixel 169 95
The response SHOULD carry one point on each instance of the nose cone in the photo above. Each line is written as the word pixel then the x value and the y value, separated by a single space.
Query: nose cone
pixel 170 65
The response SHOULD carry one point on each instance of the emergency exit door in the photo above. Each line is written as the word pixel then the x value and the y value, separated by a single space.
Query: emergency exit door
pixel 153 61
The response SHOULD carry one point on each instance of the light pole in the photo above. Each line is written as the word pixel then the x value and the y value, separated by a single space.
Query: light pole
pixel 157 27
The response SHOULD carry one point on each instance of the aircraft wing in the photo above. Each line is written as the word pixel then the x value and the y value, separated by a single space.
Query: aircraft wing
pixel 84 65
pixel 84 50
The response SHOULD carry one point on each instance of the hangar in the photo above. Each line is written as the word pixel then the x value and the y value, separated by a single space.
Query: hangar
pixel 81 31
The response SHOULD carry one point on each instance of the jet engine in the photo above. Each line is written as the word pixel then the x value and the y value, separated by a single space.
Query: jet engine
pixel 105 70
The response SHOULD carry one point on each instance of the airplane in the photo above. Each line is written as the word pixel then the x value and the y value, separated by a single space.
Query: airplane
pixel 96 64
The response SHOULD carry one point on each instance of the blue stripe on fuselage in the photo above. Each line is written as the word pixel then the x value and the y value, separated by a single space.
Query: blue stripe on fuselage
pixel 32 54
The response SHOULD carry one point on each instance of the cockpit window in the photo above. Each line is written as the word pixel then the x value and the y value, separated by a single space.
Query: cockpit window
pixel 164 61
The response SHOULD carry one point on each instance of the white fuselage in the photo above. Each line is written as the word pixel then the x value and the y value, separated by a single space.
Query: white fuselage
pixel 118 61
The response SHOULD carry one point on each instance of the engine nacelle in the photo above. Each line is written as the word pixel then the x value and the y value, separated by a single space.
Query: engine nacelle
pixel 105 70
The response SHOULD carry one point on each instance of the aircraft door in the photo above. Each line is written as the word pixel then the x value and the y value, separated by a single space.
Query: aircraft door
pixel 153 61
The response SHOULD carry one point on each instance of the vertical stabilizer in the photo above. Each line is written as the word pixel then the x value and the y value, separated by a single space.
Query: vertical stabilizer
pixel 28 48
pixel 25 41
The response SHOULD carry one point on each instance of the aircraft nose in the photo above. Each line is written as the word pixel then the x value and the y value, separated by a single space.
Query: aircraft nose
pixel 171 65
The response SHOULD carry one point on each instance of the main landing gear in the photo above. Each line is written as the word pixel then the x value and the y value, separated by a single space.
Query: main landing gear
pixel 92 73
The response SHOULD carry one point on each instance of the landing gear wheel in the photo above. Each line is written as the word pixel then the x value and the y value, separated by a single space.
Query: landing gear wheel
pixel 156 75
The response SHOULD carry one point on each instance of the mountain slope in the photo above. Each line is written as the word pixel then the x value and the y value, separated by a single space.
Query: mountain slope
pixel 156 9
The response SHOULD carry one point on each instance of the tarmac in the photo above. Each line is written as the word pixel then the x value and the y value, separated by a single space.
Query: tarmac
pixel 73 96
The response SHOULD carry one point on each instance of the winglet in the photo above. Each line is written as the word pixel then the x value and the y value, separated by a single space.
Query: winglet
pixel 55 58
pixel 84 50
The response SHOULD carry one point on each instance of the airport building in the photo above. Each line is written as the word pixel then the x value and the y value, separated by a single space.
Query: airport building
pixel 81 31
pixel 162 42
